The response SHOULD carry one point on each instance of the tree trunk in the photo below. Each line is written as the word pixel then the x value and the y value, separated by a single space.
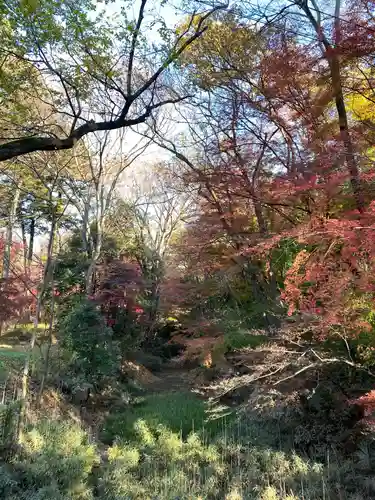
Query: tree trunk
pixel 9 240
pixel 31 243
pixel 262 224
pixel 47 274
pixel 24 244
pixel 46 359
pixel 155 300
pixel 330 53
pixel 345 134
pixel 9 236
pixel 52 316
pixel 90 274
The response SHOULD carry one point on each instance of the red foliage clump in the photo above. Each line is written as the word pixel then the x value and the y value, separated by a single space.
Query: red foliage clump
pixel 367 404
pixel 118 284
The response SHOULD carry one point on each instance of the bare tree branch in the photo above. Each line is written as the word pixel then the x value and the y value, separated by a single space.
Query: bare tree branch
pixel 26 145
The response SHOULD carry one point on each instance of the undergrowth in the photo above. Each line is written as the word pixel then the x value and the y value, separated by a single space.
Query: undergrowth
pixel 181 412
pixel 57 460
pixel 173 445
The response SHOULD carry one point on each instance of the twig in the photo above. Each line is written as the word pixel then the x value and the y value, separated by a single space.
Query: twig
pixel 312 365
pixel 238 386
pixel 326 361
pixel 346 345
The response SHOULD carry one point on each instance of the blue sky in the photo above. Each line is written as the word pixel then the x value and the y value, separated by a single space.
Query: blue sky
pixel 167 12
pixel 172 17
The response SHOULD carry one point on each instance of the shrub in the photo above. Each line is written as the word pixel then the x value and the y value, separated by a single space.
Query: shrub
pixel 363 348
pixel 162 465
pixel 56 462
pixel 9 415
pixel 84 334
pixel 127 329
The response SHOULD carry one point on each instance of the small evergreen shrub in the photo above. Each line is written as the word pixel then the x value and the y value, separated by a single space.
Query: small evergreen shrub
pixel 84 334
pixel 9 415
pixel 161 464
pixel 58 462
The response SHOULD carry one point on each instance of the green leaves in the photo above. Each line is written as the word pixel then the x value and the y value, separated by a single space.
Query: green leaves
pixel 227 49
pixel 84 333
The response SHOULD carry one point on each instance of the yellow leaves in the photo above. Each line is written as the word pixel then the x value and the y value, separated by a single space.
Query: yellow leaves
pixel 129 455
pixel 190 23
pixel 360 101
pixel 362 106
pixel 225 40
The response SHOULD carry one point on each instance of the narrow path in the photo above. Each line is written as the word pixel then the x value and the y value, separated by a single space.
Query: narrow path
pixel 172 379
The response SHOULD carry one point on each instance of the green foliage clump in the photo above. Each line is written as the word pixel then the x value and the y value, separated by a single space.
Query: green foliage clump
pixel 127 330
pixel 55 462
pixel 84 333
pixel 11 359
pixel 363 345
pixel 9 415
pixel 282 258
pixel 70 274
pixel 162 465
pixel 245 459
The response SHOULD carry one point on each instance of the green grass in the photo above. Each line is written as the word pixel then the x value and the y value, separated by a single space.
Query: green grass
pixel 10 359
pixel 239 332
pixel 180 412
pixel 233 465
pixel 59 462
pixel 20 336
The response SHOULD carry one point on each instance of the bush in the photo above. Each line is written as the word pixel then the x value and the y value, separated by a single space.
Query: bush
pixel 9 415
pixel 161 464
pixel 84 333
pixel 363 348
pixel 127 330
pixel 56 462
pixel 244 460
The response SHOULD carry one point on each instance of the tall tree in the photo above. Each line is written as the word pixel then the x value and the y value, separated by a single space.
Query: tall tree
pixel 102 74
pixel 155 214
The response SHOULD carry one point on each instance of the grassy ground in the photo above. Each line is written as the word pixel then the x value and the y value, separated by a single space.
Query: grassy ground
pixel 179 412
pixel 244 459
pixel 178 440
